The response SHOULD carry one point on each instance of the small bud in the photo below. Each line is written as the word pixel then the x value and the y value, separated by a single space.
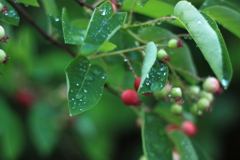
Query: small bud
pixel 163 56
pixel 194 89
pixel 207 95
pixel 176 92
pixel 171 127
pixel 211 84
pixel 137 83
pixel 188 128
pixel 203 103
pixel 2 56
pixel 176 109
pixel 2 32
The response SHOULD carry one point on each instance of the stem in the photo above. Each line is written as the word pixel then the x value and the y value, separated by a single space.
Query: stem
pixel 82 3
pixel 39 29
pixel 175 74
pixel 131 12
pixel 177 35
pixel 136 36
pixel 121 51
pixel 130 65
pixel 190 74
pixel 117 52
pixel 149 22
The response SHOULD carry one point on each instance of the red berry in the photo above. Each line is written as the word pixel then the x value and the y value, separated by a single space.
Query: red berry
pixel 188 128
pixel 25 97
pixel 211 84
pixel 130 97
pixel 137 83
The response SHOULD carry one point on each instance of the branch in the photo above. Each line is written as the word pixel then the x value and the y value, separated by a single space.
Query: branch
pixel 82 3
pixel 39 29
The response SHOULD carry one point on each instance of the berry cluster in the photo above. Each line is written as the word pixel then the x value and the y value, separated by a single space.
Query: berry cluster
pixel 3 38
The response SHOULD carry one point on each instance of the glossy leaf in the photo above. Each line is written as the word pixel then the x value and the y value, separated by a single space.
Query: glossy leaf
pixel 227 70
pixel 152 8
pixel 50 7
pixel 156 78
pixel 181 58
pixel 149 59
pixel 107 46
pixel 199 29
pixel 72 34
pixel 29 2
pixel 11 133
pixel 224 13
pixel 156 144
pixel 85 85
pixel 11 17
pixel 183 145
pixel 103 24
pixel 56 24
pixel 44 127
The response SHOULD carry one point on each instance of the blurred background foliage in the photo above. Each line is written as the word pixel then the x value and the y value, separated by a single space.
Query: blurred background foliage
pixel 34 117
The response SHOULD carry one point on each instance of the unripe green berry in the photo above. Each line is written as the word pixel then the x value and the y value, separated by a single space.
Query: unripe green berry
pixel 194 89
pixel 176 92
pixel 172 43
pixel 161 54
pixel 2 56
pixel 194 110
pixel 2 32
pixel 207 95
pixel 176 109
pixel 203 103
pixel 1 7
pixel 211 84
pixel 163 93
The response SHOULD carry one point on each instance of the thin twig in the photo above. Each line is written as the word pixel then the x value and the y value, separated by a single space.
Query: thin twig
pixel 131 12
pixel 130 65
pixel 82 3
pixel 136 36
pixel 39 29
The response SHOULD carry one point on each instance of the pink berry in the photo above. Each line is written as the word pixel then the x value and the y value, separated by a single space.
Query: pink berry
pixel 188 128
pixel 211 84
pixel 130 97
pixel 137 83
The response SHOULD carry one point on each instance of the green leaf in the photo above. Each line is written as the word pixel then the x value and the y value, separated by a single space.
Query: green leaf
pixel 11 133
pixel 11 17
pixel 181 58
pixel 29 2
pixel 225 14
pixel 72 34
pixel 183 145
pixel 44 127
pixel 103 24
pixel 202 155
pixel 85 85
pixel 56 23
pixel 107 46
pixel 156 144
pixel 153 8
pixel 199 29
pixel 50 7
pixel 227 70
